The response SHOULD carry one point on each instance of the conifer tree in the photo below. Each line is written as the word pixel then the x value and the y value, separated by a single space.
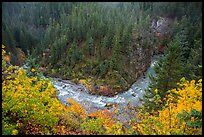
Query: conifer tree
pixel 194 63
pixel 168 72
pixel 90 46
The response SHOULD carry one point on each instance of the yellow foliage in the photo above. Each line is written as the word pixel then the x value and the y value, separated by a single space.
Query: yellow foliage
pixel 167 120
pixel 32 70
pixel 86 83
pixel 5 56
pixel 14 132
pixel 116 129
pixel 3 51
pixel 108 104
pixel 30 98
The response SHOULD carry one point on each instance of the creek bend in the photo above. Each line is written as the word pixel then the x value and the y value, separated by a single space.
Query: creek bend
pixel 79 92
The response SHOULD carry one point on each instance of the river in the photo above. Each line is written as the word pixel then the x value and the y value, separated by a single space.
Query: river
pixel 78 92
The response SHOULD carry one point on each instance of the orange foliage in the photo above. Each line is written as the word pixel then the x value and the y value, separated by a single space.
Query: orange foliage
pixel 77 108
pixel 7 58
pixel 105 116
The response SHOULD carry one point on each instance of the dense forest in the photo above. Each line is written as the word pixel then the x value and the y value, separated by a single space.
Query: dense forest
pixel 106 46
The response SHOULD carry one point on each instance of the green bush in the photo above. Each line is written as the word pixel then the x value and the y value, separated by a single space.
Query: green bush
pixel 93 126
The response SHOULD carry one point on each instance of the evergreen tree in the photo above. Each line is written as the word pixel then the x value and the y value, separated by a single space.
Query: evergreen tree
pixel 116 54
pixel 53 58
pixel 90 46
pixel 99 55
pixel 104 48
pixel 74 55
pixel 8 39
pixel 193 69
pixel 168 72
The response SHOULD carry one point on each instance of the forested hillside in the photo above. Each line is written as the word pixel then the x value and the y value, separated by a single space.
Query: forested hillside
pixel 107 47
pixel 110 43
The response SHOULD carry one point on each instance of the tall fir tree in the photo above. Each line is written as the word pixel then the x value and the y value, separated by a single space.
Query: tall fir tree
pixel 194 63
pixel 90 45
pixel 168 72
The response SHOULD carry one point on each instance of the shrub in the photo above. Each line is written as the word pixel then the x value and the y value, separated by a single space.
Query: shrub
pixel 30 99
pixel 93 126
pixel 181 115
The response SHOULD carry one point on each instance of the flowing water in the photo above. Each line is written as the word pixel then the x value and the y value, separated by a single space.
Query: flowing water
pixel 91 103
